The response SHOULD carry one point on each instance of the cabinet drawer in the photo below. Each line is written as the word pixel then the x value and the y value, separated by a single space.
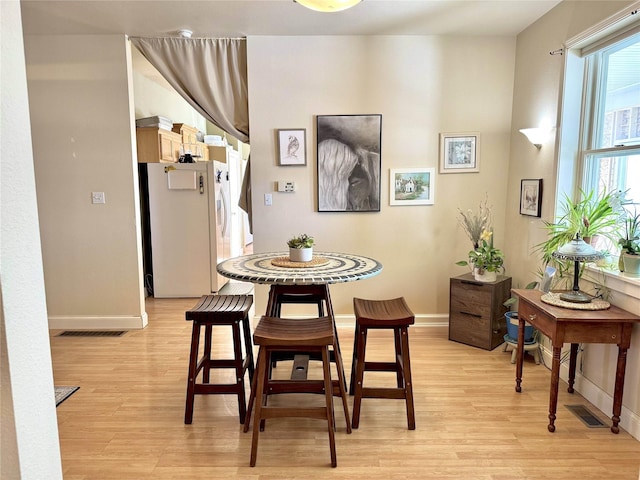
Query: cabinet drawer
pixel 470 299
pixel 469 329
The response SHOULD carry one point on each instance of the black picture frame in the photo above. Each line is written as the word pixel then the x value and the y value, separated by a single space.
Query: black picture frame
pixel 349 162
pixel 531 197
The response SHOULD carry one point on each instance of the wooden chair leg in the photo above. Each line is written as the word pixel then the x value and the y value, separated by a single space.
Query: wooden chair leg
pixel 398 346
pixel 239 370
pixel 206 359
pixel 248 346
pixel 191 376
pixel 328 390
pixel 260 376
pixel 361 333
pixel 341 386
pixel 408 383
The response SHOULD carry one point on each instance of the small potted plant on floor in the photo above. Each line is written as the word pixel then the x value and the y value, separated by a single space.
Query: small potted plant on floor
pixel 300 248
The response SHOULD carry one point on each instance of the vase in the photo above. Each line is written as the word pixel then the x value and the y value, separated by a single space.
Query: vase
pixel 485 276
pixel 631 264
pixel 301 254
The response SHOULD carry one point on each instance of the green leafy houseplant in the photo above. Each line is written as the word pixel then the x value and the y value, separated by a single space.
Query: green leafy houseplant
pixel 594 215
pixel 591 216
pixel 301 241
pixel 485 257
pixel 630 242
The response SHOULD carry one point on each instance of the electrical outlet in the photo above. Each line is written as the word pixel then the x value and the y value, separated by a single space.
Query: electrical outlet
pixel 97 197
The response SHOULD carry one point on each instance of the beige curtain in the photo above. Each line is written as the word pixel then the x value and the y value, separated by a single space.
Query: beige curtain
pixel 211 74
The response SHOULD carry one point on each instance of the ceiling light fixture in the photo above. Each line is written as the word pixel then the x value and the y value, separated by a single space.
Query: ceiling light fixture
pixel 185 33
pixel 327 5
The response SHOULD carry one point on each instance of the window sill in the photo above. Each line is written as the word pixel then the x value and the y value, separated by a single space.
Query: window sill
pixel 615 280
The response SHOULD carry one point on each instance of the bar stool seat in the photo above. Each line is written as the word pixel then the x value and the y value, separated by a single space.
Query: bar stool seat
pixel 394 315
pixel 314 335
pixel 295 295
pixel 219 310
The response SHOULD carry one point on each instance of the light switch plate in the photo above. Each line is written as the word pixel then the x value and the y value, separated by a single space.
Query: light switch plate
pixel 97 197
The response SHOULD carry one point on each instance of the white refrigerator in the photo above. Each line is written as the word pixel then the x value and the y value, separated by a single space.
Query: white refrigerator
pixel 190 227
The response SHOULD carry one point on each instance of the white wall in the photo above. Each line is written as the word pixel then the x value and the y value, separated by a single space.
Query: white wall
pixel 83 141
pixel 29 448
pixel 422 86
pixel 537 92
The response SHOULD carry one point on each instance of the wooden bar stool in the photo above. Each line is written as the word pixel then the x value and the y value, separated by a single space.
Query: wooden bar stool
pixel 295 295
pixel 382 314
pixel 219 310
pixel 275 334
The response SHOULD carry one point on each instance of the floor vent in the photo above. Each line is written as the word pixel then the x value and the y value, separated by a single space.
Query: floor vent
pixel 584 414
pixel 92 333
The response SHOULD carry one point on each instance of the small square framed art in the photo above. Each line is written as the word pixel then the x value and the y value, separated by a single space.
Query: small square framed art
pixel 460 152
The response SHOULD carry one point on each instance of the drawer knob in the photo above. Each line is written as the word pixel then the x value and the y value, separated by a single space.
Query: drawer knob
pixel 532 317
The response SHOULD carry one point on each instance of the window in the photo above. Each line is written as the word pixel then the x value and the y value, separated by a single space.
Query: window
pixel 610 157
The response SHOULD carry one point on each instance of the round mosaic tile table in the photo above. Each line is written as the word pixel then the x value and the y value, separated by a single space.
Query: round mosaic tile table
pixel 327 267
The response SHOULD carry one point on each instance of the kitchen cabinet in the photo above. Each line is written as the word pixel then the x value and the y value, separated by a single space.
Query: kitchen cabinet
pixel 189 134
pixel 476 311
pixel 157 145
pixel 190 141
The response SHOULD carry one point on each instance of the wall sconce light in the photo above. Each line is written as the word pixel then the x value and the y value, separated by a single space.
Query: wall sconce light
pixel 537 136
pixel 327 5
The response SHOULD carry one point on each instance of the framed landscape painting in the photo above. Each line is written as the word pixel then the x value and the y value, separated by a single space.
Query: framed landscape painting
pixel 411 186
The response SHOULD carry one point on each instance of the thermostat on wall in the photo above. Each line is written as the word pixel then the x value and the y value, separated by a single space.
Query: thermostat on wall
pixel 284 186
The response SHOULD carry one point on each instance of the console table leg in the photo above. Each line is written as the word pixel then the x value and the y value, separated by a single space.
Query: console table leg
pixel 553 396
pixel 520 354
pixel 572 366
pixel 617 395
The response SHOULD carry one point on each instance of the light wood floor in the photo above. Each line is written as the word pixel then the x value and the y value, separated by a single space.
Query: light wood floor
pixel 127 419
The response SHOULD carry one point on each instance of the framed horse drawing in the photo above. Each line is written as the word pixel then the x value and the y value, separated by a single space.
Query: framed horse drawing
pixel 349 162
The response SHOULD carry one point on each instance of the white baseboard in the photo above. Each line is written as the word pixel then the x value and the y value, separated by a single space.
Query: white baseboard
pixel 600 399
pixel 98 323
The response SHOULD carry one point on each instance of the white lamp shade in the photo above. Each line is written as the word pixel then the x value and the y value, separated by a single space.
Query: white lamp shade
pixel 536 136
pixel 328 5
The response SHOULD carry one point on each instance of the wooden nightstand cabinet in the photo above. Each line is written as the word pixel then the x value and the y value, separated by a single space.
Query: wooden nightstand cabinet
pixel 476 311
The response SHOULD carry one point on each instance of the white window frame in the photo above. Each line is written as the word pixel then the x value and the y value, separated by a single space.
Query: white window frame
pixel 578 103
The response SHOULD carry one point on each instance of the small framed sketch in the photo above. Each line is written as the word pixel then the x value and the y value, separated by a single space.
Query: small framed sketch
pixel 531 197
pixel 411 186
pixel 292 146
pixel 459 152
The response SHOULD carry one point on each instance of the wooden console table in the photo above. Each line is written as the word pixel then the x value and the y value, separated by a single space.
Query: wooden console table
pixel 563 325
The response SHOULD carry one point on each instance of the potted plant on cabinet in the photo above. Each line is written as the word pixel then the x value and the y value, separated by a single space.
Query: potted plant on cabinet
pixel 301 248
pixel 630 244
pixel 486 260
